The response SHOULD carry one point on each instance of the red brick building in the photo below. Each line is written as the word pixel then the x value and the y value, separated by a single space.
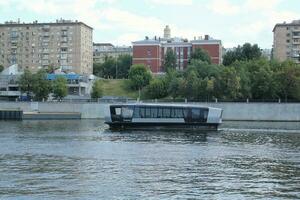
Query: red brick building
pixel 151 52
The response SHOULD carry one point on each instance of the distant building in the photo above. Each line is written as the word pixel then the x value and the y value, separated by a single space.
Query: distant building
pixel 78 85
pixel 286 42
pixel 151 52
pixel 267 53
pixel 102 50
pixel 64 43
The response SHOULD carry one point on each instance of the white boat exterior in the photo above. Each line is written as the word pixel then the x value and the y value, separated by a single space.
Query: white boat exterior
pixel 145 115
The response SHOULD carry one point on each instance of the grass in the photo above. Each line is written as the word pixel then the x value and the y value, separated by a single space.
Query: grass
pixel 117 87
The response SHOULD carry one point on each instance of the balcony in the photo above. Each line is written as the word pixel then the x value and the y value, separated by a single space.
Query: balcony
pixel 46 34
pixel 64 45
pixel 45 51
pixel 46 28
pixel 14 46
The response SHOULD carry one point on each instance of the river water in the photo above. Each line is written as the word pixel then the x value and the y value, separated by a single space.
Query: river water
pixel 84 160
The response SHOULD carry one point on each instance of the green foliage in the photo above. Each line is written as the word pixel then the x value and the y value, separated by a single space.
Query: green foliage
pixel 35 85
pixel 170 61
pixel 60 89
pixel 41 87
pixel 123 65
pixel 201 55
pixel 51 69
pixel 228 84
pixel 288 76
pixel 139 76
pixel 26 82
pixel 97 90
pixel 112 67
pixel 1 68
pixel 157 88
pixel 242 53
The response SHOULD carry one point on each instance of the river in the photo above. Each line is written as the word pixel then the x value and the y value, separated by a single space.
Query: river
pixel 83 160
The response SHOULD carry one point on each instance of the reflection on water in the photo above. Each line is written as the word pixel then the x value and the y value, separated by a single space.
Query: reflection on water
pixel 84 160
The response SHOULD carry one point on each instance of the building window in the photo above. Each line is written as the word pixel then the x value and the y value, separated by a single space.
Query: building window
pixel 287 41
pixel 288 35
pixel 287 28
pixel 148 52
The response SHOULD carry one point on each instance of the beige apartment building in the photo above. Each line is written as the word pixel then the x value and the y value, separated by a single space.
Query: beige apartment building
pixel 66 44
pixel 286 42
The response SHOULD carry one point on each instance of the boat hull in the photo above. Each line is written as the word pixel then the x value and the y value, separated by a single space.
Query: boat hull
pixel 161 126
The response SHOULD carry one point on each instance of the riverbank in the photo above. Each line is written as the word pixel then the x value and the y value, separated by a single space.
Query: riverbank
pixel 231 111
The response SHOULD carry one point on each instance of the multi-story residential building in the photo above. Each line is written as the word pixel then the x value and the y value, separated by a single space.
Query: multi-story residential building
pixel 65 43
pixel 102 50
pixel 151 52
pixel 286 42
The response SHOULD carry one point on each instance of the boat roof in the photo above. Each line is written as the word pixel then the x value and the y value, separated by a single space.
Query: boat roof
pixel 163 104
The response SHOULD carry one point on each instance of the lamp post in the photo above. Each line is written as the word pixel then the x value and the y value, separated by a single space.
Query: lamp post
pixel 116 68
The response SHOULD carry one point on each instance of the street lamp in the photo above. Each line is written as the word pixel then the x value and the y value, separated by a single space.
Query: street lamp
pixel 116 68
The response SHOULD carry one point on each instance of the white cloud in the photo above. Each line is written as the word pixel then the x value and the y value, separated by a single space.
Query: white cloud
pixel 223 7
pixel 261 4
pixel 126 39
pixel 172 2
pixel 130 21
pixel 248 30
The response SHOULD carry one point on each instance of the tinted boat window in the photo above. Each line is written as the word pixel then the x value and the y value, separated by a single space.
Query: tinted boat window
pixel 166 112
pixel 136 113
pixel 195 113
pixel 148 112
pixel 159 112
pixel 118 111
pixel 142 112
pixel 153 112
pixel 127 112
pixel 178 113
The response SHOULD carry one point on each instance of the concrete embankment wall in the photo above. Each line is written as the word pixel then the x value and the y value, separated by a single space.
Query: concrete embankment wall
pixel 231 111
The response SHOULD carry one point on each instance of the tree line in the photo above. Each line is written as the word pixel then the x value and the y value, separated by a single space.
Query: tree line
pixel 113 67
pixel 37 87
pixel 245 74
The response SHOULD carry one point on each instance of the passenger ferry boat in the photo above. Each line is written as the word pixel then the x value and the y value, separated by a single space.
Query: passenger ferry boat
pixel 157 116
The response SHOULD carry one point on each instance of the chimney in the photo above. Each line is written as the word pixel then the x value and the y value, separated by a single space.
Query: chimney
pixel 146 38
pixel 206 37
pixel 154 37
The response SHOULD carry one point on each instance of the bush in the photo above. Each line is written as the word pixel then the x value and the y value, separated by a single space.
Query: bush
pixel 139 76
pixel 60 89
pixel 157 89
pixel 97 90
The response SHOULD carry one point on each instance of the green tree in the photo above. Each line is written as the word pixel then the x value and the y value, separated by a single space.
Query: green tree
pixel 174 88
pixel 288 79
pixel 200 54
pixel 123 66
pixel 41 87
pixel 26 83
pixel 157 89
pixel 60 88
pixel 228 84
pixel 242 53
pixel 107 69
pixel 51 69
pixel 170 61
pixel 1 68
pixel 97 90
pixel 263 84
pixel 139 76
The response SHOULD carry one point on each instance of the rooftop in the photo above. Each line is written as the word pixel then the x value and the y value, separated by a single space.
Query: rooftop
pixel 293 23
pixel 36 23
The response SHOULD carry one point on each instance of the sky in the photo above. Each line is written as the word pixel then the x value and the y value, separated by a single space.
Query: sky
pixel 122 21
